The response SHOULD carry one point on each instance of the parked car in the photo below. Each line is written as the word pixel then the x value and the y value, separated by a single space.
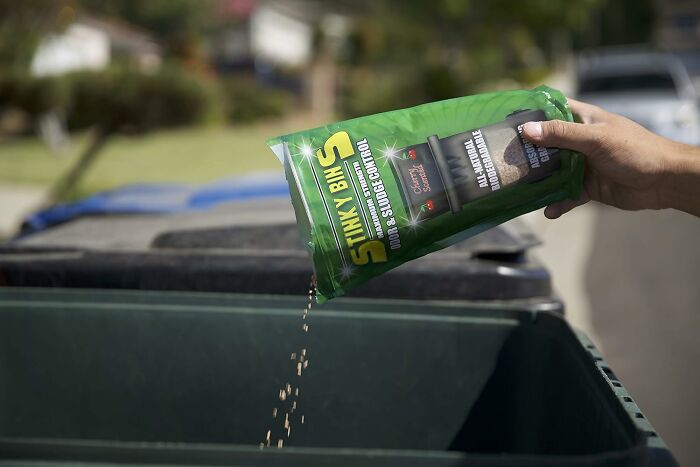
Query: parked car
pixel 651 88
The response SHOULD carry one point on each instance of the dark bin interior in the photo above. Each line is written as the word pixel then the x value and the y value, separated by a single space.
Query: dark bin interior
pixel 188 368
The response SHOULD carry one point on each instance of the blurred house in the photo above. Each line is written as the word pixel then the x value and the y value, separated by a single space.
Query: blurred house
pixel 91 44
pixel 273 32
pixel 88 44
pixel 281 33
pixel 289 44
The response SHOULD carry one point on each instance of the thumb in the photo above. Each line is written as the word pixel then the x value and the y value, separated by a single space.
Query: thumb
pixel 556 210
pixel 560 134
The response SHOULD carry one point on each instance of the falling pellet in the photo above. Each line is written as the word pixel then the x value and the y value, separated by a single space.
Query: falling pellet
pixel 301 361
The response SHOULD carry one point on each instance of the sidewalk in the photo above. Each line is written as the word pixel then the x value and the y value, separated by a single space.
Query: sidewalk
pixel 567 244
pixel 16 201
pixel 630 281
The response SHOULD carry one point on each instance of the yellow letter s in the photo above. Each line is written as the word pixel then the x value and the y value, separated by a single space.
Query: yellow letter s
pixel 339 141
pixel 373 250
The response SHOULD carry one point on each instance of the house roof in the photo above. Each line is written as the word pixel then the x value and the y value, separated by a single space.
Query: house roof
pixel 123 36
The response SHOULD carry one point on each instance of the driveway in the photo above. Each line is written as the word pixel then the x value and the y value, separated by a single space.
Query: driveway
pixel 16 201
pixel 632 281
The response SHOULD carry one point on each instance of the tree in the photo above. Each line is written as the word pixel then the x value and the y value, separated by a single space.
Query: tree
pixel 444 48
pixel 179 24
pixel 22 23
pixel 412 30
pixel 127 101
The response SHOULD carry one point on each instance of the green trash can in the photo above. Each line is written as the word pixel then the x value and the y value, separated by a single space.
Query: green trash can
pixel 153 378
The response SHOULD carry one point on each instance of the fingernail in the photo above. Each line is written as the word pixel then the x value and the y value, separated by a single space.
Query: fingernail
pixel 533 129
pixel 552 212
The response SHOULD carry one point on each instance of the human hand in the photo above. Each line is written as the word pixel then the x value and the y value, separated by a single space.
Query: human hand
pixel 627 166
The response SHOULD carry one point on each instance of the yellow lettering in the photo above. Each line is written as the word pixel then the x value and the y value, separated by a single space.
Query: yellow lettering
pixel 333 172
pixel 340 142
pixel 345 215
pixel 351 241
pixel 350 225
pixel 373 250
pixel 336 187
pixel 340 201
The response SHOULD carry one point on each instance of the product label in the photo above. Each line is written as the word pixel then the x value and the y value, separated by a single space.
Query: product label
pixel 445 174
pixel 355 199
pixel 374 192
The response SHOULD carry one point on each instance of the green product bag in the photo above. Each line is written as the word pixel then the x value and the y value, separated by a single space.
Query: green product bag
pixel 374 192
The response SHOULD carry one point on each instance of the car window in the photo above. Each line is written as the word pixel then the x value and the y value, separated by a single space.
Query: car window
pixel 624 83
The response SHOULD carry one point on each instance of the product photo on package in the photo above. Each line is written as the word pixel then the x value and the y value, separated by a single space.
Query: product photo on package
pixel 374 192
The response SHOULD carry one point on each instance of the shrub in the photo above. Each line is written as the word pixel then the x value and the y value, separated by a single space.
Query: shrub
pixel 128 100
pixel 439 82
pixel 32 95
pixel 367 92
pixel 115 99
pixel 245 101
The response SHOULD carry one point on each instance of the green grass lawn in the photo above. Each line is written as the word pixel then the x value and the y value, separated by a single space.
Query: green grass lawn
pixel 197 154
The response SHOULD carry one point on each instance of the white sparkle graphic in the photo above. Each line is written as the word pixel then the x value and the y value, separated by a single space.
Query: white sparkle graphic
pixel 305 150
pixel 414 223
pixel 346 271
pixel 389 152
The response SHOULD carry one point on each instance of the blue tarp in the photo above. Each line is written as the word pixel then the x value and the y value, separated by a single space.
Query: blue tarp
pixel 160 198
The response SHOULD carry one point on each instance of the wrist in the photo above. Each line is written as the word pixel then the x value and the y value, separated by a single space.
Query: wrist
pixel 680 179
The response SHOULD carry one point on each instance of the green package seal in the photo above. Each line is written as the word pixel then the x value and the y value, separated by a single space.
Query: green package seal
pixel 374 192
